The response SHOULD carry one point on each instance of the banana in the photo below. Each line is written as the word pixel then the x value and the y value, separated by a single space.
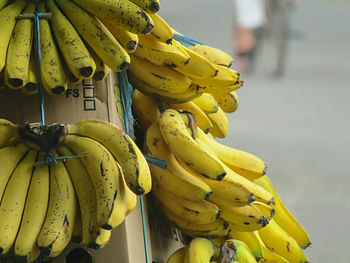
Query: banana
pixel 243 163
pixel 183 146
pixel 214 55
pixel 122 147
pixel 52 71
pixel 9 158
pixel 34 211
pixel 58 225
pixel 243 216
pixel 95 33
pixel 217 232
pixel 8 18
pixel 280 242
pixel 269 256
pixel 218 241
pixel 18 52
pixel 3 3
pixel 251 240
pixel 162 78
pixel 145 109
pixel 102 171
pixel 197 212
pixel 284 217
pixel 220 123
pixel 244 255
pixel 267 210
pixel 122 12
pixel 127 39
pixel 78 228
pixel 102 70
pixel 13 201
pixel 260 193
pixel 149 5
pixel 198 66
pixel 161 31
pixel 178 256
pixel 103 238
pixel 31 87
pixel 73 49
pixel 86 195
pixel 206 102
pixel 200 250
pixel 160 53
pixel 227 101
pixel 201 117
pixel 7 130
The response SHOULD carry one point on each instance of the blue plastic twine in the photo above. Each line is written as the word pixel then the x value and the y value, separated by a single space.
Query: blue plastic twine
pixel 186 41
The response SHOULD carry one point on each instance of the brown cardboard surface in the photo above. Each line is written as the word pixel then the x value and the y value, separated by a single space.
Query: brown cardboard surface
pixel 89 100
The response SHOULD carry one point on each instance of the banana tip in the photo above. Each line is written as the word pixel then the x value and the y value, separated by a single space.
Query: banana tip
pixel 208 195
pixel 154 7
pixel 93 245
pixel 46 251
pixel 251 198
pixel 221 176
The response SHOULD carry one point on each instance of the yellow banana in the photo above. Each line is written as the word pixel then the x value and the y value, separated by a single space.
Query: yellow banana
pixel 3 3
pixel 149 5
pixel 283 216
pixel 127 39
pixel 123 12
pixel 218 241
pixel 199 250
pixel 198 66
pixel 183 146
pixel 224 77
pixel 96 34
pixel 73 49
pixel 13 201
pixel 160 53
pixel 18 52
pixel 267 210
pixel 251 240
pixel 122 147
pixel 52 71
pixel 102 70
pixel 145 109
pixel 280 242
pixel 31 87
pixel 201 117
pixel 178 256
pixel 103 238
pixel 217 232
pixel 8 18
pixel 197 212
pixel 214 55
pixel 269 256
pixel 58 225
pixel 86 195
pixel 220 123
pixel 161 30
pixel 9 158
pixel 34 211
pixel 207 103
pixel 78 228
pixel 243 163
pixel 244 255
pixel 159 77
pixel 227 101
pixel 7 130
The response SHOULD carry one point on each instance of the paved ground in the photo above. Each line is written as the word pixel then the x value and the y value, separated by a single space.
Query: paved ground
pixel 298 124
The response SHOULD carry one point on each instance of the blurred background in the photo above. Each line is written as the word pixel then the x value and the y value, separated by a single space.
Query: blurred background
pixel 296 119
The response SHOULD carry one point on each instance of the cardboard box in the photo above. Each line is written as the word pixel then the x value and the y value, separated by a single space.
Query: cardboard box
pixel 89 100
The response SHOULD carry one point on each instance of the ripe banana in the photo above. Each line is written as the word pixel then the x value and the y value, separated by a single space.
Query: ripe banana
pixel 227 101
pixel 149 5
pixel 103 238
pixel 244 255
pixel 183 146
pixel 160 53
pixel 9 158
pixel 197 212
pixel 127 39
pixel 178 256
pixel 123 12
pixel 224 77
pixel 220 123
pixel 162 78
pixel 214 55
pixel 102 70
pixel 269 256
pixel 280 242
pixel 207 103
pixel 78 228
pixel 86 195
pixel 18 52
pixel 96 34
pixel 7 131
pixel 267 210
pixel 161 30
pixel 200 250
pixel 13 201
pixel 243 163
pixel 283 216
pixel 217 232
pixel 3 3
pixel 122 147
pixel 73 49
pixel 52 71
pixel 8 18
pixel 251 240
pixel 34 211
pixel 31 87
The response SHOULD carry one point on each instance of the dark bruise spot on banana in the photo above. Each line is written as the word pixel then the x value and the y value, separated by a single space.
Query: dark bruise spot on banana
pixel 169 65
pixel 102 172
pixel 155 141
pixel 112 206
pixel 251 216
pixel 246 223
pixel 158 76
pixel 203 174
pixel 237 199
pixel 288 245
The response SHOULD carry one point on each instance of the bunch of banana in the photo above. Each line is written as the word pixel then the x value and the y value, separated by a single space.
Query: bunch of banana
pixel 81 40
pixel 63 181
